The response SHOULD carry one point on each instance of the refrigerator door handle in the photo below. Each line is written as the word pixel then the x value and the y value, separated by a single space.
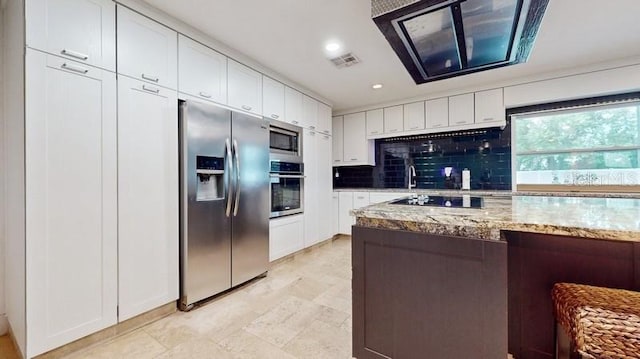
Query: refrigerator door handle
pixel 237 173
pixel 229 170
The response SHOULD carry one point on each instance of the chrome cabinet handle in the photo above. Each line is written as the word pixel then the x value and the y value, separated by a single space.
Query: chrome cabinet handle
pixel 337 161
pixel 413 128
pixel 150 89
pixel 74 68
pixel 204 94
pixel 274 116
pixel 150 78
pixel 488 119
pixel 354 159
pixel 461 122
pixel 74 54
pixel 237 159
pixel 247 108
pixel 374 132
pixel 437 125
pixel 229 165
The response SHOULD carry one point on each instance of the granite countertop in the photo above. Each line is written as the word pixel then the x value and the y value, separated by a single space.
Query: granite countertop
pixel 493 193
pixel 600 218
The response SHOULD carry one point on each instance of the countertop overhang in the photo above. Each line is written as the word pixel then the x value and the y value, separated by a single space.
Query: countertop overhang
pixel 588 217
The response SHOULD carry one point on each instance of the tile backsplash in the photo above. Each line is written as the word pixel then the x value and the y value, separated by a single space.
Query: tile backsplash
pixel 485 152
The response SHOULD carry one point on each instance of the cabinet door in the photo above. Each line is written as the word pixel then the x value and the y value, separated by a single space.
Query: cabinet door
pixel 355 138
pixel 393 119
pixel 325 186
pixel 489 107
pixel 147 50
pixel 148 197
pixel 273 99
pixel 311 211
pixel 375 122
pixel 324 118
pixel 345 206
pixel 379 197
pixel 292 106
pixel 336 212
pixel 413 115
pixel 81 30
pixel 360 199
pixel 461 111
pixel 285 236
pixel 202 71
pixel 71 203
pixel 309 112
pixel 338 140
pixel 437 113
pixel 245 88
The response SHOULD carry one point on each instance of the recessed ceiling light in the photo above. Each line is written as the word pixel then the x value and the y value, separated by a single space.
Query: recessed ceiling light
pixel 376 86
pixel 332 46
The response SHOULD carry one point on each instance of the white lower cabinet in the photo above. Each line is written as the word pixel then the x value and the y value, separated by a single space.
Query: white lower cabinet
pixel 335 197
pixel 345 220
pixel 148 197
pixel 286 236
pixel 71 228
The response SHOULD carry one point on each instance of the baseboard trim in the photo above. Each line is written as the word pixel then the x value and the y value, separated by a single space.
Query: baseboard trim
pixel 4 324
pixel 111 332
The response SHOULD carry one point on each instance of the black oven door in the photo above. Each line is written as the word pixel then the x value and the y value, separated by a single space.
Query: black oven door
pixel 286 194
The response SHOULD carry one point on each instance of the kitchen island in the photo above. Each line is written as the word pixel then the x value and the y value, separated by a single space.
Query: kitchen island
pixel 444 282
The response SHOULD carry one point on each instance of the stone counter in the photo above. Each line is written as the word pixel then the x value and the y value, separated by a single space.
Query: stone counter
pixel 587 217
pixel 486 193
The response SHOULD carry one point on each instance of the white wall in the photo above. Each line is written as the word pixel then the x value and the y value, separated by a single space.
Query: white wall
pixel 13 23
pixel 3 317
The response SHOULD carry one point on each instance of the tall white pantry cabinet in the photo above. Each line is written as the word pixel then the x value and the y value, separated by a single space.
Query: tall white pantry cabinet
pixel 92 204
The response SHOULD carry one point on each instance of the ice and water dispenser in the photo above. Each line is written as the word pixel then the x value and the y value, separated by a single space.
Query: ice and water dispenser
pixel 210 173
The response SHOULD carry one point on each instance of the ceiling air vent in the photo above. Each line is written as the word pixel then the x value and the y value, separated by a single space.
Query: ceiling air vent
pixel 346 60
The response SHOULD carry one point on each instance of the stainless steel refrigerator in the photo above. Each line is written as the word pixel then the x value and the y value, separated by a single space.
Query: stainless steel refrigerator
pixel 224 206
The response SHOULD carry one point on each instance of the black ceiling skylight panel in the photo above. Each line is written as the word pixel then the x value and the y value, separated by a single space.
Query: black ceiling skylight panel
pixel 438 39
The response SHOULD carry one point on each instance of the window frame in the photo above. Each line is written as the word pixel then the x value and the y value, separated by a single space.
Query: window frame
pixel 571 106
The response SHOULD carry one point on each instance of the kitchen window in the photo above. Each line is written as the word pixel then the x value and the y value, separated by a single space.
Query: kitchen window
pixel 593 148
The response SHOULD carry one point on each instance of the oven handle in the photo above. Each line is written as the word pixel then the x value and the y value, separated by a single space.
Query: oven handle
pixel 274 175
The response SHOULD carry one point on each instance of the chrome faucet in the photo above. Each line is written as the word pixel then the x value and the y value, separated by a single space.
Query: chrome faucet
pixel 412 177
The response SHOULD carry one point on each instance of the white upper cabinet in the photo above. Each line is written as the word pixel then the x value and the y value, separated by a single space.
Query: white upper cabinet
pixel 147 50
pixel 355 138
pixel 489 106
pixel 71 200
pixel 375 122
pixel 202 71
pixel 413 115
pixel 393 119
pixel 437 113
pixel 292 106
pixel 461 110
pixel 309 112
pixel 245 88
pixel 338 140
pixel 82 30
pixel 273 99
pixel 324 119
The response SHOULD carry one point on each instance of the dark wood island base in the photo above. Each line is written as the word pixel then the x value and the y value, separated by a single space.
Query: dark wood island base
pixel 419 295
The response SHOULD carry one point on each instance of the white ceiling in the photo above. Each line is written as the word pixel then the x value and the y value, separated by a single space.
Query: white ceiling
pixel 288 36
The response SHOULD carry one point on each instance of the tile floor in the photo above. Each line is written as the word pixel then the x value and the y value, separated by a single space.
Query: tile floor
pixel 302 309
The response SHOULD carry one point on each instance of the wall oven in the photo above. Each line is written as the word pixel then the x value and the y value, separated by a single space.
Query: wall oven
pixel 287 188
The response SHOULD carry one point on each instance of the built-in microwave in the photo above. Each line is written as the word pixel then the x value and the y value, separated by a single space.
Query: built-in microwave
pixel 287 188
pixel 285 140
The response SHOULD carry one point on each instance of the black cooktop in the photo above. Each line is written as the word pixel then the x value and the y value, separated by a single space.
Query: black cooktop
pixel 441 201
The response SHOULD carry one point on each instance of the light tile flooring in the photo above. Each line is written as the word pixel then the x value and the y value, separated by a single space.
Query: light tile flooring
pixel 302 309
